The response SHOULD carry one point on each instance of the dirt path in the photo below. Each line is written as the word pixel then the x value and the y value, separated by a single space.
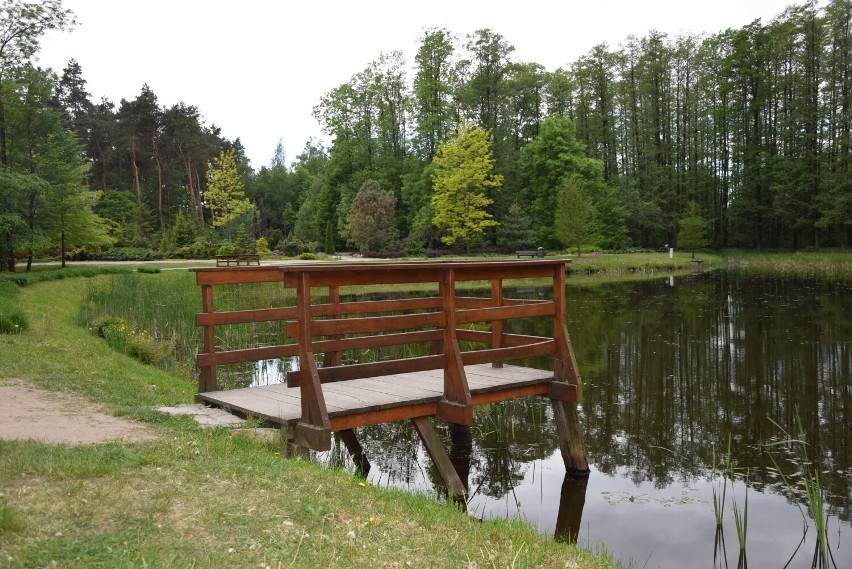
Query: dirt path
pixel 54 417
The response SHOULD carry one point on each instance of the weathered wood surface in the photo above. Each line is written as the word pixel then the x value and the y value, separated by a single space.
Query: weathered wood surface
pixel 468 349
pixel 401 396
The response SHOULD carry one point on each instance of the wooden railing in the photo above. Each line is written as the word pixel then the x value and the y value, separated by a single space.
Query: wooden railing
pixel 333 327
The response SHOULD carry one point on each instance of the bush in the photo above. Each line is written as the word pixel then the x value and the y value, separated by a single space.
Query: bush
pixel 307 257
pixel 228 248
pixel 123 338
pixel 127 254
pixel 13 320
pixel 261 246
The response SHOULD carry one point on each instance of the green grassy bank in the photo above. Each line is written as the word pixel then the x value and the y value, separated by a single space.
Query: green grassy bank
pixel 200 498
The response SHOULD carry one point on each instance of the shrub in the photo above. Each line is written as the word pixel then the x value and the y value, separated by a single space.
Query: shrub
pixel 127 254
pixel 261 246
pixel 307 257
pixel 123 338
pixel 228 248
pixel 13 319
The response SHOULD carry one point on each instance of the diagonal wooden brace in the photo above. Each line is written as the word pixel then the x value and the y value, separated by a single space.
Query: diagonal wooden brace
pixel 439 457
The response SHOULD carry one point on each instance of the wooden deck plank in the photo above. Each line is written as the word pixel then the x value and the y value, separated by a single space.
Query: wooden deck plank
pixel 361 401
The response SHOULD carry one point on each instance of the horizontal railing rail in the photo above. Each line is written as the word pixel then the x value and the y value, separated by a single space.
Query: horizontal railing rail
pixel 437 320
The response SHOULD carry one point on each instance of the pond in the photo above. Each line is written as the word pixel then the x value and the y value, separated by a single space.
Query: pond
pixel 674 370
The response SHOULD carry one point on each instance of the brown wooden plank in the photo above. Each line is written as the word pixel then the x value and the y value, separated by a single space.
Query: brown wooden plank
pixel 479 302
pixel 388 415
pixel 248 355
pixel 381 341
pixel 508 339
pixel 377 400
pixel 251 404
pixel 355 371
pixel 511 353
pixel 517 392
pixel 242 316
pixel 234 275
pixel 369 325
pixel 505 312
pixel 405 387
pixel 375 306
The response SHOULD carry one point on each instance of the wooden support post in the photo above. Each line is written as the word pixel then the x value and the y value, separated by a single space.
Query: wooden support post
pixel 332 359
pixel 314 429
pixel 439 457
pixel 207 377
pixel 461 448
pixel 356 451
pixel 570 437
pixel 565 370
pixel 456 405
pixel 497 325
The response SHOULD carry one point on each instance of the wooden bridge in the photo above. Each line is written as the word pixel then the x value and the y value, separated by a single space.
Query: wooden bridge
pixel 325 396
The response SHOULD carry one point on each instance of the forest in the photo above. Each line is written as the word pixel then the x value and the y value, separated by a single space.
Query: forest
pixel 743 134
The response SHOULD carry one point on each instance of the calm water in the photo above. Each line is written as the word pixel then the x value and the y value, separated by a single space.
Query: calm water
pixel 671 368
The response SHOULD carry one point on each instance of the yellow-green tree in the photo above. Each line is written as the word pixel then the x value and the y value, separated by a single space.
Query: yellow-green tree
pixel 224 196
pixel 463 173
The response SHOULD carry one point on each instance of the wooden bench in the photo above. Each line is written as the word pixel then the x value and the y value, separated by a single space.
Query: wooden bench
pixel 422 372
pixel 537 253
pixel 237 260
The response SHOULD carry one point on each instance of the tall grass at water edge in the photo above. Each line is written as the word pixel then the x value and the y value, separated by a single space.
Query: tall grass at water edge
pixel 832 265
pixel 152 317
pixel 149 316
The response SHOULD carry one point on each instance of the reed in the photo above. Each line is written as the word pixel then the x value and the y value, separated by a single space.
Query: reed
pixel 741 522
pixel 815 495
pixel 834 265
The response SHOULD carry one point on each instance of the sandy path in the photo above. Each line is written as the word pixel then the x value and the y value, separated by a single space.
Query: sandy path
pixel 54 417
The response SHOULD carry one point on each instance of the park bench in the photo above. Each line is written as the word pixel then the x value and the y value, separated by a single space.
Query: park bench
pixel 237 260
pixel 536 253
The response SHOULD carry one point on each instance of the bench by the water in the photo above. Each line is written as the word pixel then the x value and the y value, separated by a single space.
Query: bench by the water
pixel 429 376
pixel 536 253
pixel 237 260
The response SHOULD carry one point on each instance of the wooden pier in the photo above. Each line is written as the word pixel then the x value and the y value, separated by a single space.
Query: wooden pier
pixel 325 396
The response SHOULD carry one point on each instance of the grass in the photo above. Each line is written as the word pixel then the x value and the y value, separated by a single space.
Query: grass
pixel 206 498
pixel 830 265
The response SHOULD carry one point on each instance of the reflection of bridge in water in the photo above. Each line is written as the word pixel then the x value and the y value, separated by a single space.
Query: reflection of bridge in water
pixel 325 396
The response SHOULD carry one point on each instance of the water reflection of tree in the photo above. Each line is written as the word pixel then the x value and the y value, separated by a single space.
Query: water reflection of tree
pixel 507 437
pixel 671 370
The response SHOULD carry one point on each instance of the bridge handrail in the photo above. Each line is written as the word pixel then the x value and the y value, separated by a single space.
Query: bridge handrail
pixel 335 326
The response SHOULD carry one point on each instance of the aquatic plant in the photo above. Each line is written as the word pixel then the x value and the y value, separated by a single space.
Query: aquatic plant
pixel 814 492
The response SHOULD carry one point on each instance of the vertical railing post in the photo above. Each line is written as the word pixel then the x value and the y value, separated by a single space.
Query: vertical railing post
pixel 332 359
pixel 497 325
pixel 314 429
pixel 565 413
pixel 456 405
pixel 207 376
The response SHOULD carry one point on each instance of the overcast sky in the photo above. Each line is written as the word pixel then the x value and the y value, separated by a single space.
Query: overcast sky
pixel 256 68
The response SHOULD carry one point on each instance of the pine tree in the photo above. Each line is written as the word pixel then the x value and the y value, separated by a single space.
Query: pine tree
pixel 692 232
